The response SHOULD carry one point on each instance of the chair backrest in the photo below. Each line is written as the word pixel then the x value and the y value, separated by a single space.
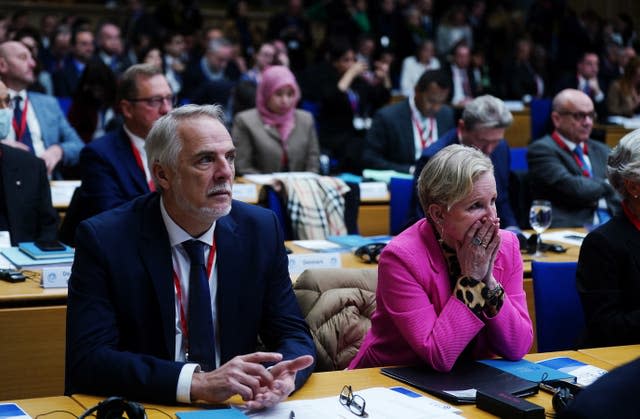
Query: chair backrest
pixel 519 159
pixel 540 117
pixel 559 316
pixel 338 305
pixel 400 191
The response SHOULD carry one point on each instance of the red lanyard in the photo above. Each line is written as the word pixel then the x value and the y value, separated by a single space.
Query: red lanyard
pixel 424 141
pixel 23 122
pixel 562 145
pixel 136 154
pixel 176 283
pixel 631 216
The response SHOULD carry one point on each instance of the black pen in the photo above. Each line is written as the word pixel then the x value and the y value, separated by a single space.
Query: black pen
pixel 292 415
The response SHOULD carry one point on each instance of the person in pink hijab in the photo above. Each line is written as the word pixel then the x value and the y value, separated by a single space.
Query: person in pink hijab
pixel 275 136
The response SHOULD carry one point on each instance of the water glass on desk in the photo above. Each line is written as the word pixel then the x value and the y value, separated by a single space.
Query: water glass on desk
pixel 540 220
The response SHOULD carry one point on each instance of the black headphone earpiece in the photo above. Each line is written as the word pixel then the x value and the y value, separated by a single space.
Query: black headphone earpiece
pixel 561 399
pixel 115 408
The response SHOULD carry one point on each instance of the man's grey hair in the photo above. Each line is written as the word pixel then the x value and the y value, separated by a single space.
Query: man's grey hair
pixel 486 112
pixel 163 143
pixel 624 162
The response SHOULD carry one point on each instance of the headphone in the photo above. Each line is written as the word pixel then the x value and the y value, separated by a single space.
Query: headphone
pixel 115 408
pixel 561 399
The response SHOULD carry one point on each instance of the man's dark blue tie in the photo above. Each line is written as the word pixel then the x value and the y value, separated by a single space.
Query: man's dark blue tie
pixel 25 137
pixel 201 344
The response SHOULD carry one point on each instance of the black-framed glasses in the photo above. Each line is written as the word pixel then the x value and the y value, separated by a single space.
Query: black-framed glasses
pixel 156 101
pixel 580 116
pixel 370 253
pixel 354 402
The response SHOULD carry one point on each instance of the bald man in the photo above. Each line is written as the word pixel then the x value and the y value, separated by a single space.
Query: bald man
pixel 39 126
pixel 569 169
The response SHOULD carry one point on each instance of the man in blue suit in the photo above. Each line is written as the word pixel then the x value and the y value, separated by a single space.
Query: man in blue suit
pixel 482 125
pixel 114 167
pixel 401 131
pixel 132 287
pixel 42 128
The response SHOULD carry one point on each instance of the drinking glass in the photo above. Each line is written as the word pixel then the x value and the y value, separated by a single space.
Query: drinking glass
pixel 540 220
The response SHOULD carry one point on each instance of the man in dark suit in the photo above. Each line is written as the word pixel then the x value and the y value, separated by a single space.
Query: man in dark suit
pixel 482 125
pixel 65 79
pixel 401 131
pixel 587 79
pixel 113 168
pixel 463 85
pixel 569 169
pixel 42 128
pixel 137 298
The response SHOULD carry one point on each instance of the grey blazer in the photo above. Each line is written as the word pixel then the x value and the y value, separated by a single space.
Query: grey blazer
pixel 259 149
pixel 555 176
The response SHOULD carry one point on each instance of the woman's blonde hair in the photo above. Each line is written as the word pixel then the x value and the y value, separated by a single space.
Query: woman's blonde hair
pixel 449 175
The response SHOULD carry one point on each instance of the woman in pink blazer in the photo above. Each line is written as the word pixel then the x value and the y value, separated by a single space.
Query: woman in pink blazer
pixel 450 286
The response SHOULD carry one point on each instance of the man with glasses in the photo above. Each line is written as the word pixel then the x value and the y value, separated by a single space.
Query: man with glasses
pixel 401 131
pixel 114 168
pixel 569 169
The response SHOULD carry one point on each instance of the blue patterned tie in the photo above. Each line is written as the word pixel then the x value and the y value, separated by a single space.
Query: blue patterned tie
pixel 585 167
pixel 201 348
pixel 25 137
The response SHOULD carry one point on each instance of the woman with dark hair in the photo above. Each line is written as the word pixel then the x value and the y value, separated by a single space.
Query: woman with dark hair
pixel 91 112
pixel 624 94
pixel 348 101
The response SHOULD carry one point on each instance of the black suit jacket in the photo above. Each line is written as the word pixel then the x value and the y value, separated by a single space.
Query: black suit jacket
pixel 614 395
pixel 121 308
pixel 608 280
pixel 390 143
pixel 472 82
pixel 555 176
pixel 27 196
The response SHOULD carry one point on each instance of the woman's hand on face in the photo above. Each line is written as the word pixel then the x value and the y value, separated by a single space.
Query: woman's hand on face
pixel 477 252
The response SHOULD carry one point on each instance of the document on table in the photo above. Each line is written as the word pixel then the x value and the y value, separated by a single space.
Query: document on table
pixel 573 238
pixel 381 403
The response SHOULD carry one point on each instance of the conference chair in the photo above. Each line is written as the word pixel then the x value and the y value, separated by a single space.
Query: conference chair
pixel 337 305
pixel 400 199
pixel 540 118
pixel 559 316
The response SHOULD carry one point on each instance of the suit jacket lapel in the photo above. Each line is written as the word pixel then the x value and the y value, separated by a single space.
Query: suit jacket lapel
pixel 127 158
pixel 228 245
pixel 155 253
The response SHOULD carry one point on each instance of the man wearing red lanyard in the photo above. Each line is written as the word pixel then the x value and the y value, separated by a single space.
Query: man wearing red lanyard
pixel 114 168
pixel 171 294
pixel 38 125
pixel 401 131
pixel 569 169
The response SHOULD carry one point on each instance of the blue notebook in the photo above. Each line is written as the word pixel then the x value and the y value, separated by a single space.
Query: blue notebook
pixel 36 253
pixel 22 260
pixel 529 370
pixel 355 240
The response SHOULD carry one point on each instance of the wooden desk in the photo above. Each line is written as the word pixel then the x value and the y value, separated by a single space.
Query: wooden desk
pixel 373 217
pixel 615 355
pixel 519 133
pixel 43 405
pixel 327 384
pixel 33 325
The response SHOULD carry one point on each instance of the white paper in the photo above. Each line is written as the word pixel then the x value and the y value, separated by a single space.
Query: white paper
pixel 564 236
pixel 62 191
pixel 246 192
pixel 381 403
pixel 317 245
pixel 5 264
pixel 373 190
pixel 5 239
